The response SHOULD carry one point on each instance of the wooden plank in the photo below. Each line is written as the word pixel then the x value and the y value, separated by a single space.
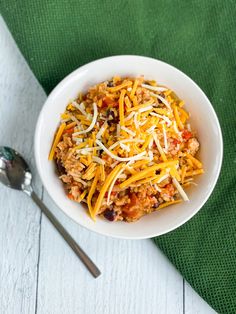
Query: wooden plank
pixel 194 304
pixel 20 100
pixel 136 277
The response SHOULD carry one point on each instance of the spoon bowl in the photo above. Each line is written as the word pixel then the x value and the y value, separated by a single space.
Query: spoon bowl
pixel 15 173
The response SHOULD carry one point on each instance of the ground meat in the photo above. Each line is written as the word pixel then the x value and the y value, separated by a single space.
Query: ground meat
pixel 122 201
pixel 141 202
pixel 173 146
pixel 66 178
pixel 75 191
pixel 167 192
pixel 193 146
pixel 60 167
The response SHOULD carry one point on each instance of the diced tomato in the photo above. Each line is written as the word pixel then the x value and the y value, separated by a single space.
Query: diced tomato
pixel 175 141
pixel 69 131
pixel 133 200
pixel 186 134
pixel 115 104
pixel 106 101
pixel 70 196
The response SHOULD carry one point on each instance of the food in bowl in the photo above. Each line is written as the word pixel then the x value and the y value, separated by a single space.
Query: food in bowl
pixel 126 149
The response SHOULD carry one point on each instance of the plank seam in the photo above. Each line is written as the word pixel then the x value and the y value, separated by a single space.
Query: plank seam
pixel 38 261
pixel 183 296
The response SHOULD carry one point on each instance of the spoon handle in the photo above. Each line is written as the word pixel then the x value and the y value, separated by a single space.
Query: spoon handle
pixel 67 237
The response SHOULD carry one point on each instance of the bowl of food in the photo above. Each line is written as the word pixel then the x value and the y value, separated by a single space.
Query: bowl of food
pixel 128 146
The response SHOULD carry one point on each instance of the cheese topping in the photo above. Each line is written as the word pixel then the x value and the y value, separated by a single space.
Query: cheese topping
pixel 104 189
pixel 95 114
pixel 56 140
pixel 122 134
pixel 154 88
pixel 180 189
pixel 106 150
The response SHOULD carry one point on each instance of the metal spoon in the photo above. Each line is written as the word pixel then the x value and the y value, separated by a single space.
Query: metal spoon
pixel 15 173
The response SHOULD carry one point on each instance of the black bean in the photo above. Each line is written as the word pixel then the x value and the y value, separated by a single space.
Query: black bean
pixel 110 84
pixel 110 114
pixel 110 214
pixel 156 205
pixel 60 168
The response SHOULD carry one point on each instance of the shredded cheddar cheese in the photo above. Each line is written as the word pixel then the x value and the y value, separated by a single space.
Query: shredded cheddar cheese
pixel 145 172
pixel 91 192
pixel 56 140
pixel 195 161
pixel 132 93
pixel 135 108
pixel 121 107
pixel 104 189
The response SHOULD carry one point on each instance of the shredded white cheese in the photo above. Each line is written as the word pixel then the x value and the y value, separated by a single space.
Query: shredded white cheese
pixel 165 176
pixel 118 130
pixel 122 176
pixel 180 189
pixel 95 114
pixel 114 164
pixel 80 107
pixel 157 187
pixel 106 150
pixel 192 183
pixel 114 180
pixel 128 140
pixel 125 147
pixel 75 120
pixel 158 144
pixel 65 120
pixel 154 88
pixel 145 109
pixel 78 140
pixel 166 119
pixel 151 129
pixel 86 150
pixel 143 122
pixel 128 131
pixel 150 143
pixel 165 102
pixel 150 154
pixel 176 129
pixel 102 130
pixel 136 123
pixel 98 160
pixel 130 116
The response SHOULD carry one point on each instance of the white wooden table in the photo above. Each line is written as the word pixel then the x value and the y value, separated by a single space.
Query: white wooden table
pixel 39 273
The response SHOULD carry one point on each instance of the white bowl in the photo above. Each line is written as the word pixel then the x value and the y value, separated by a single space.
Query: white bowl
pixel 203 120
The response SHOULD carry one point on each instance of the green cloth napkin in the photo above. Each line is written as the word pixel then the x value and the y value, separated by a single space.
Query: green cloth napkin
pixel 198 37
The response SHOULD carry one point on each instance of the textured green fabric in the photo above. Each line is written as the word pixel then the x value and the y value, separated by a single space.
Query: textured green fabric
pixel 198 37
